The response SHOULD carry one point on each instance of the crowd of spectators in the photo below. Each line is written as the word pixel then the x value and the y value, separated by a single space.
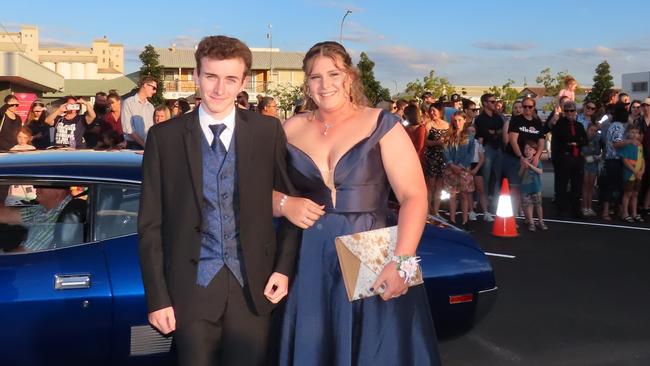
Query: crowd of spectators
pixel 597 152
pixel 465 149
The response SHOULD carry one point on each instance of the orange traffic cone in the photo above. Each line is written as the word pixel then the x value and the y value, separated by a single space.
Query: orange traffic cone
pixel 504 222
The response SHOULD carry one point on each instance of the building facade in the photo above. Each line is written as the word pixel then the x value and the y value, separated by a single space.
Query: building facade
pixel 270 69
pixel 636 84
pixel 102 61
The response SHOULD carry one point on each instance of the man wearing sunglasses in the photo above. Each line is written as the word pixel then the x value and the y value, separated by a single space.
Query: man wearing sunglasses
pixel 9 124
pixel 137 114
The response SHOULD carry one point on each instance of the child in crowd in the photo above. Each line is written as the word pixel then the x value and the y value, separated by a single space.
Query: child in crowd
pixel 477 164
pixel 591 152
pixel 457 177
pixel 531 187
pixel 633 170
pixel 570 85
pixel 24 138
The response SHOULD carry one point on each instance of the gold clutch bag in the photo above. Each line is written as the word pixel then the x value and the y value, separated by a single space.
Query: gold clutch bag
pixel 362 257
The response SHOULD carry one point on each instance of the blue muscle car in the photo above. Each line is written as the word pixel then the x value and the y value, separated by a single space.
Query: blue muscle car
pixel 80 299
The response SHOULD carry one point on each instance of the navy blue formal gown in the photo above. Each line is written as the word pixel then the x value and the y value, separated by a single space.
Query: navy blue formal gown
pixel 320 326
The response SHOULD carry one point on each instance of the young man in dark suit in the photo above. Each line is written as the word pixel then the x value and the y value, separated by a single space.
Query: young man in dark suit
pixel 212 264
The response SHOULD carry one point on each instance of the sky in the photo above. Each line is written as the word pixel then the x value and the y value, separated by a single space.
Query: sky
pixel 467 42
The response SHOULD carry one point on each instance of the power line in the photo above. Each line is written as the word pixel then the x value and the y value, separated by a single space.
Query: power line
pixel 10 37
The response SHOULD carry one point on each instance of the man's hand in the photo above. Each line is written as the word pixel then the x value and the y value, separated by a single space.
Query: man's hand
pixel 277 287
pixel 163 320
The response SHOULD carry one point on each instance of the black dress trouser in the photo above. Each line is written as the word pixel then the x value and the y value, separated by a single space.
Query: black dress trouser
pixel 228 334
pixel 569 177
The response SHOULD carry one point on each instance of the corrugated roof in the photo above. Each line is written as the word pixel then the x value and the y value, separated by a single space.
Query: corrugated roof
pixel 184 58
pixel 66 58
pixel 281 60
pixel 79 87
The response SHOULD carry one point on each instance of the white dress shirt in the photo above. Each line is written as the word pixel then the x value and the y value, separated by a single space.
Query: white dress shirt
pixel 206 120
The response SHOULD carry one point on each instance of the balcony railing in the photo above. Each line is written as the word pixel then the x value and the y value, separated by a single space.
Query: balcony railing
pixel 256 87
pixel 180 86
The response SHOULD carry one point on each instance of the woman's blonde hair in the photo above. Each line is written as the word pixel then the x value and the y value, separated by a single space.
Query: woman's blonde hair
pixel 343 62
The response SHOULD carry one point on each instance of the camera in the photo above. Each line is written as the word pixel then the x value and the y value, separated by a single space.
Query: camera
pixel 72 107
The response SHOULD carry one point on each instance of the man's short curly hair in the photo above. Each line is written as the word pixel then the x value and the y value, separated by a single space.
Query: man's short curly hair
pixel 223 48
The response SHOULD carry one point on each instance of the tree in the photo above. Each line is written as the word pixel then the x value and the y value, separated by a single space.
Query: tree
pixel 286 96
pixel 553 85
pixel 602 81
pixel 506 93
pixel 151 67
pixel 436 85
pixel 372 88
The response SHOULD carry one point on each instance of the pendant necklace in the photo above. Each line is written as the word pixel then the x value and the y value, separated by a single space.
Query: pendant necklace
pixel 326 125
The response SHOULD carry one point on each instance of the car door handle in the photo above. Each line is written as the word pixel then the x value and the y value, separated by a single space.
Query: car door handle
pixel 71 281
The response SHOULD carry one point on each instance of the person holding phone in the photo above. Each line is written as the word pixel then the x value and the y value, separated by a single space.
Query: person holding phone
pixel 70 126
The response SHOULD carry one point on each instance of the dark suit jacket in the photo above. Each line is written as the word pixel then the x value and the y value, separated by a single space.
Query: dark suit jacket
pixel 170 218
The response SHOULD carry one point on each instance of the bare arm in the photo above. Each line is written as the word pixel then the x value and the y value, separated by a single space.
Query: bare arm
pixel 540 149
pixel 52 116
pixel 407 180
pixel 90 112
pixel 534 168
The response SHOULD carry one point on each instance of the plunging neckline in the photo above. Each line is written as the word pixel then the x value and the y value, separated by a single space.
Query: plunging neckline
pixel 336 165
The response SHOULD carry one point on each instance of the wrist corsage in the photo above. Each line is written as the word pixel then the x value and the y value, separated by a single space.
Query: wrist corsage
pixel 407 266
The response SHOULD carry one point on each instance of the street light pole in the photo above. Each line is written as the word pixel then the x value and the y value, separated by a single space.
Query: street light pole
pixel 270 36
pixel 343 20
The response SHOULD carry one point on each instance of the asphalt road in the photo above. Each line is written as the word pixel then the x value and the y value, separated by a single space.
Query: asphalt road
pixel 577 294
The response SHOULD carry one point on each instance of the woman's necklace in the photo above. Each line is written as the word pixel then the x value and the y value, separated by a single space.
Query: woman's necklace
pixel 326 125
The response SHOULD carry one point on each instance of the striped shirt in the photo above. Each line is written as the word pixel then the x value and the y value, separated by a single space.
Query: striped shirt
pixel 41 224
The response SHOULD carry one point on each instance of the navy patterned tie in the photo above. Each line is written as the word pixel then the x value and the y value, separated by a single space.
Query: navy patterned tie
pixel 216 142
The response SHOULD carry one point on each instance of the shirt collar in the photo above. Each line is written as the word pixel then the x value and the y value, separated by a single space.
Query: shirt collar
pixel 206 119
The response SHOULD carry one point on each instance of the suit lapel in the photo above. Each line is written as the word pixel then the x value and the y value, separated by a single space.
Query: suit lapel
pixel 243 146
pixel 192 138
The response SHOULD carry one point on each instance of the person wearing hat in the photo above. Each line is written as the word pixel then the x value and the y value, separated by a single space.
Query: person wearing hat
pixel 644 126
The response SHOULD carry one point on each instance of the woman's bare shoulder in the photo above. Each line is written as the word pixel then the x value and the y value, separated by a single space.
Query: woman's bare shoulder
pixel 296 123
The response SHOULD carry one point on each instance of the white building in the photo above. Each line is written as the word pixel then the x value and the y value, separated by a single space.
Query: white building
pixel 101 61
pixel 636 84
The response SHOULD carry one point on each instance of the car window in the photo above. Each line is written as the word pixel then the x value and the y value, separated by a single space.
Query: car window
pixel 42 217
pixel 116 212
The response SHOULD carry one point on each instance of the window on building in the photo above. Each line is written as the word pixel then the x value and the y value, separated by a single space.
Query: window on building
pixel 640 86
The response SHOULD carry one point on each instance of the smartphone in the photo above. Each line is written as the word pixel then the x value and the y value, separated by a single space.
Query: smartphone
pixel 72 107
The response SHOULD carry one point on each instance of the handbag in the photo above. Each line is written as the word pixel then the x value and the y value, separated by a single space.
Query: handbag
pixel 363 256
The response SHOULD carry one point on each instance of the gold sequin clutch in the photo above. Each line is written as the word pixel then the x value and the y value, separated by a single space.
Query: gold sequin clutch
pixel 362 257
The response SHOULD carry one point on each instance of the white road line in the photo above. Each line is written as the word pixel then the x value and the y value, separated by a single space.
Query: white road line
pixel 500 255
pixel 596 224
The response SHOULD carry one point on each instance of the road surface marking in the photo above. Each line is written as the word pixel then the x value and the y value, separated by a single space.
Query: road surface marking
pixel 597 224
